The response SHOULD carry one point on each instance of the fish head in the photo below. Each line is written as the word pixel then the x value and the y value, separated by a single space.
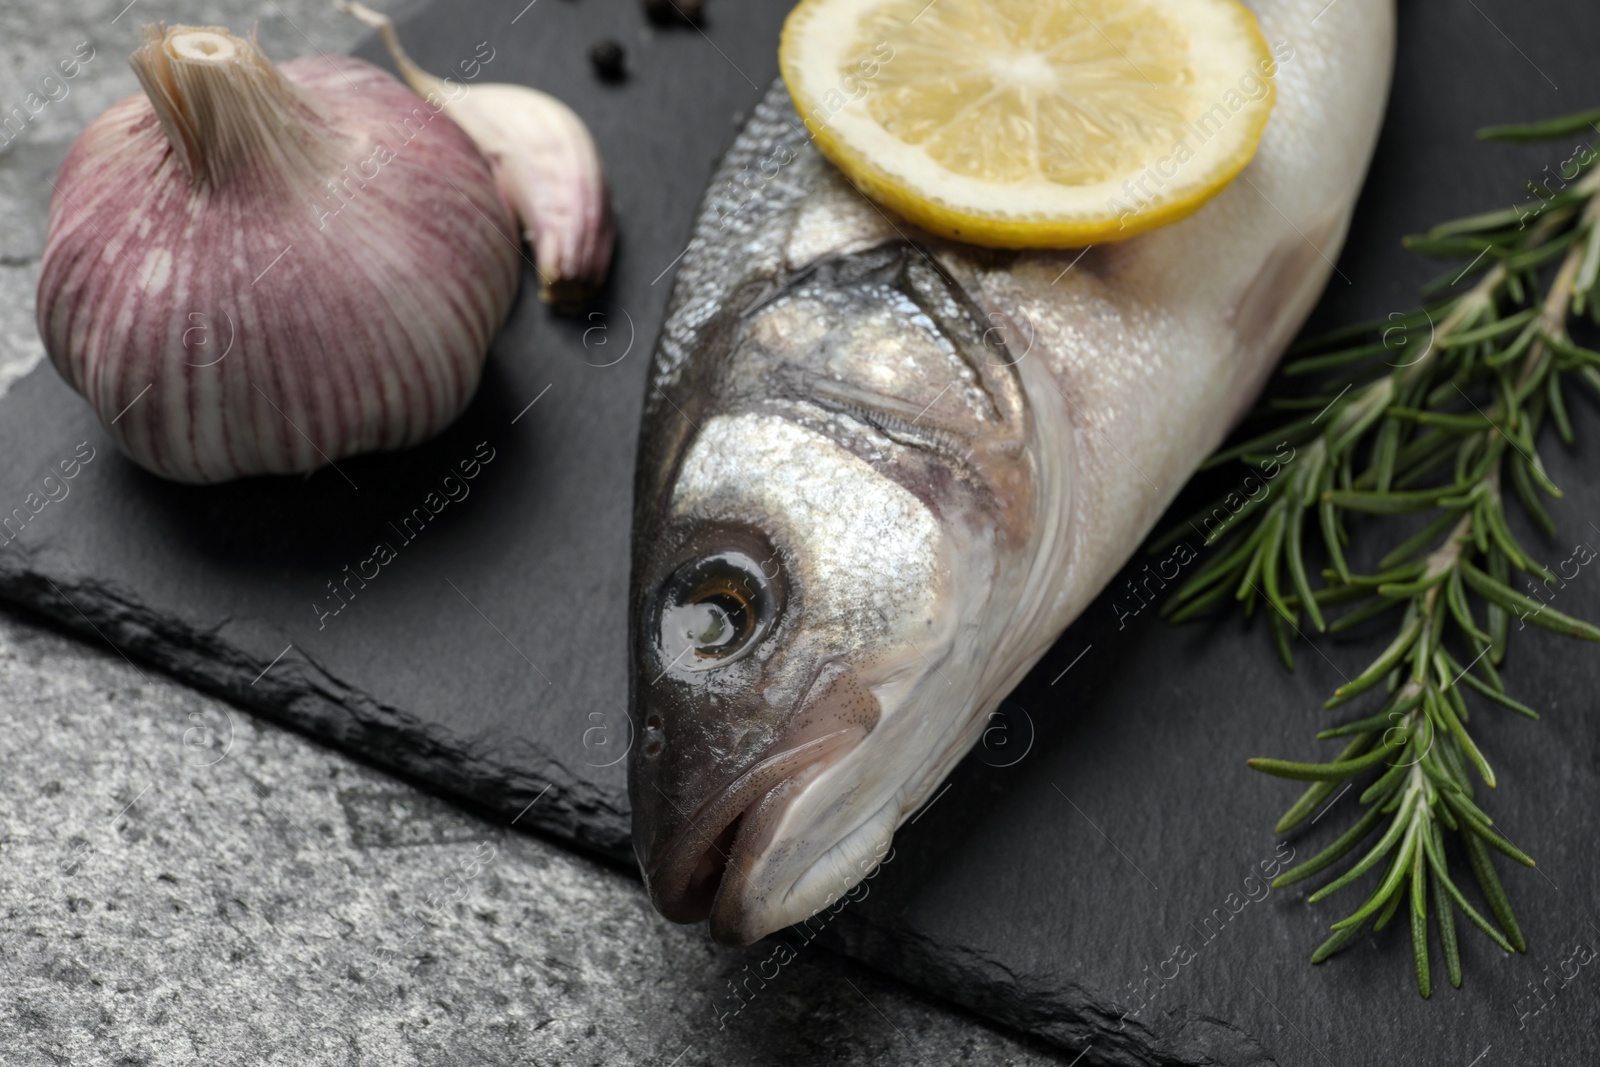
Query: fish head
pixel 807 594
pixel 784 612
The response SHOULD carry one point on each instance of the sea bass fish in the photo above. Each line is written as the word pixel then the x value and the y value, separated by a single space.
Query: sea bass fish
pixel 881 472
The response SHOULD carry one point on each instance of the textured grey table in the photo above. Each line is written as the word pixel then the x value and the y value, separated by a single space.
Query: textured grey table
pixel 184 884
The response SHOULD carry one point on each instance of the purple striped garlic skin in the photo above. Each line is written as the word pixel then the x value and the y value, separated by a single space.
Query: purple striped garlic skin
pixel 254 269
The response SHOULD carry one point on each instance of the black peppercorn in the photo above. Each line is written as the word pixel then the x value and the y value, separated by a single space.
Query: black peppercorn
pixel 666 12
pixel 608 56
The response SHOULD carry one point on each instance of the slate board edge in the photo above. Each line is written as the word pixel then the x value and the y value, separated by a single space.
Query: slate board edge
pixel 302 695
pixel 1067 1015
pixel 307 699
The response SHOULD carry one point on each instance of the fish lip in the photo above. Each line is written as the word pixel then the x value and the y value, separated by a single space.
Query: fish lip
pixel 697 817
pixel 753 798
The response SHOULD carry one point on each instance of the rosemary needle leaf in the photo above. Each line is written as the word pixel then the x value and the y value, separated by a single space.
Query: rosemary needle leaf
pixel 1420 319
pixel 1497 696
pixel 1419 541
pixel 1218 568
pixel 1403 573
pixel 1499 618
pixel 1419 870
pixel 1419 934
pixel 1407 590
pixel 1564 346
pixel 1558 405
pixel 1460 423
pixel 1313 364
pixel 1320 772
pixel 1380 666
pixel 1456 599
pixel 1397 827
pixel 1479 825
pixel 1388 911
pixel 1453 723
pixel 1280 637
pixel 1372 722
pixel 1388 780
pixel 1442 780
pixel 1448 247
pixel 1317 792
pixel 1376 606
pixel 1514 287
pixel 1522 482
pixel 1485 666
pixel 1295 431
pixel 1489 220
pixel 1494 893
pixel 1500 844
pixel 1334 852
pixel 1392 882
pixel 1478 920
pixel 1314 795
pixel 1394 502
pixel 1328 517
pixel 1500 534
pixel 1473 814
pixel 1339 940
pixel 1490 330
pixel 1198 606
pixel 1518 347
pixel 1548 130
pixel 1537 257
pixel 1447 926
pixel 1247 585
pixel 1527 608
pixel 1297 569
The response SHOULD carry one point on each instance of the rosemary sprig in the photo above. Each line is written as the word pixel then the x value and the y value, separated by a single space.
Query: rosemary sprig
pixel 1433 414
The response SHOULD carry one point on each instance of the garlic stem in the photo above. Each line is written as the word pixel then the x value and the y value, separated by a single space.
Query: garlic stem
pixel 421 82
pixel 544 161
pixel 223 105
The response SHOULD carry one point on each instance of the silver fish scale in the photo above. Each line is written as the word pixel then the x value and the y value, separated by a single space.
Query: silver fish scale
pixel 736 235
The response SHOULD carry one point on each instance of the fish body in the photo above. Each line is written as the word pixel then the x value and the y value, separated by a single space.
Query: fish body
pixel 879 472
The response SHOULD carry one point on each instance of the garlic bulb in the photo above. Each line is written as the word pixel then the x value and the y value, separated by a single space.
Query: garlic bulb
pixel 256 269
pixel 545 161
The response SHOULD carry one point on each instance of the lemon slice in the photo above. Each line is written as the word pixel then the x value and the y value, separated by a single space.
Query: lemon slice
pixel 1032 123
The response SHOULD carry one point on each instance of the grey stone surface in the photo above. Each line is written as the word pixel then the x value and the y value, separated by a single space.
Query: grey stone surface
pixel 183 884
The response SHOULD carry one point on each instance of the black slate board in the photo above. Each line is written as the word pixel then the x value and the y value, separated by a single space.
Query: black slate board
pixel 1068 856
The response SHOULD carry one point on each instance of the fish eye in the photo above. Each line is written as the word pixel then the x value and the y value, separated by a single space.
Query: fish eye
pixel 713 609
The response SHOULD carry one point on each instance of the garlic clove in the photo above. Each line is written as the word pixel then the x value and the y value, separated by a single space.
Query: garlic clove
pixel 263 269
pixel 545 161
pixel 548 167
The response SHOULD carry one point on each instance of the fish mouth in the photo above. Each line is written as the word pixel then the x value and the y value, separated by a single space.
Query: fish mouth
pixel 705 872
